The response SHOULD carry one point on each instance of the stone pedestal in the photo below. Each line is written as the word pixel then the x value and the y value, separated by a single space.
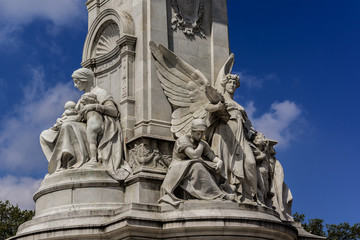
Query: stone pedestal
pixel 78 189
pixel 88 204
pixel 144 186
pixel 191 220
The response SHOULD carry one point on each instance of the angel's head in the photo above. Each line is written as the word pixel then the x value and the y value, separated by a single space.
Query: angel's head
pixel 230 83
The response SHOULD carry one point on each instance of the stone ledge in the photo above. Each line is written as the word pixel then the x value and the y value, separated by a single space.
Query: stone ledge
pixel 192 220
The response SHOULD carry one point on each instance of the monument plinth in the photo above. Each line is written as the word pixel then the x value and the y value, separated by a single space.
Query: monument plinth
pixel 156 147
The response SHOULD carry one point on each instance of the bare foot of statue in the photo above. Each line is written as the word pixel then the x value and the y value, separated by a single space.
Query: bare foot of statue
pixel 260 203
pixel 230 197
pixel 92 163
pixel 248 201
pixel 60 170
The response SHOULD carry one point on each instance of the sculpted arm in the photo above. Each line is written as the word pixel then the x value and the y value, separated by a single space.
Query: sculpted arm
pixel 209 154
pixel 194 153
pixel 108 108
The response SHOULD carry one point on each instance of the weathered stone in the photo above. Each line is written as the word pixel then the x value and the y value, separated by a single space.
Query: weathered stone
pixel 112 191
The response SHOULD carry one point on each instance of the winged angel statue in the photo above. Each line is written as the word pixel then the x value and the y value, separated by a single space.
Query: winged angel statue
pixel 229 133
pixel 191 97
pixel 186 88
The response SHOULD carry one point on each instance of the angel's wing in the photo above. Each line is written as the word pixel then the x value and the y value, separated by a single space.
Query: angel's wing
pixel 225 70
pixel 183 85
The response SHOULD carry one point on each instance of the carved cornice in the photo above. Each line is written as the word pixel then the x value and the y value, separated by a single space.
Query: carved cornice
pixel 91 4
pixel 128 40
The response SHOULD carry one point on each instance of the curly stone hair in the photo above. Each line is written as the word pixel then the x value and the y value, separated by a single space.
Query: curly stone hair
pixel 228 77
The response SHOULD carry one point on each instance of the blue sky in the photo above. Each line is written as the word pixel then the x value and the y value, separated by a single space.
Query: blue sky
pixel 300 79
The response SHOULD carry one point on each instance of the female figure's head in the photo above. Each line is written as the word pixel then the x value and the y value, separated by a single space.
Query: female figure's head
pixel 198 128
pixel 83 79
pixel 230 83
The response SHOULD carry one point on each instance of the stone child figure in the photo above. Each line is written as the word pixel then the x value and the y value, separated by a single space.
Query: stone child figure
pixel 194 172
pixel 94 123
pixel 70 114
pixel 264 165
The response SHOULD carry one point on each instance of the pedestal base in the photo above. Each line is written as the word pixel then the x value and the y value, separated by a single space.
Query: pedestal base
pixel 89 204
pixel 192 220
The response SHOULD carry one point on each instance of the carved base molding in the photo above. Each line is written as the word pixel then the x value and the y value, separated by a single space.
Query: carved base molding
pixel 89 204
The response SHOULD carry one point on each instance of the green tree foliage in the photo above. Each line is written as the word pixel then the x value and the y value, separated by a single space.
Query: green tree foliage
pixel 299 217
pixel 315 226
pixel 11 217
pixel 342 231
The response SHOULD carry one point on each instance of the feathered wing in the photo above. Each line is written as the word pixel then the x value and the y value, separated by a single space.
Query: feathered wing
pixel 183 85
pixel 225 70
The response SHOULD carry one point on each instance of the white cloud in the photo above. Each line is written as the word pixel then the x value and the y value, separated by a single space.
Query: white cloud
pixel 14 14
pixel 19 130
pixel 19 190
pixel 280 123
pixel 253 81
pixel 24 11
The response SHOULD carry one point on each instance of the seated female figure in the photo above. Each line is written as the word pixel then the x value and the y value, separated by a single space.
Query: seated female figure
pixel 194 170
pixel 72 144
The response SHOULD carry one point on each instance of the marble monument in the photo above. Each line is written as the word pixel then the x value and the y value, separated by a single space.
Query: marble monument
pixel 156 147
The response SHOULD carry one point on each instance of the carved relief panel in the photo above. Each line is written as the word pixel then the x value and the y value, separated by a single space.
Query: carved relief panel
pixel 147 152
pixel 188 16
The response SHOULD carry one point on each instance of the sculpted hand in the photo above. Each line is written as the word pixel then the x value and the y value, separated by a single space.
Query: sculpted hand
pixel 87 108
pixel 220 106
pixel 219 164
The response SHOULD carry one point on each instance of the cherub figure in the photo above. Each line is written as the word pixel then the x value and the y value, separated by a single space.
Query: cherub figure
pixel 272 190
pixel 264 165
pixel 94 123
pixel 70 115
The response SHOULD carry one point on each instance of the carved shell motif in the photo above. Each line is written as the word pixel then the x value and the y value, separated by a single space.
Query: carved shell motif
pixel 107 40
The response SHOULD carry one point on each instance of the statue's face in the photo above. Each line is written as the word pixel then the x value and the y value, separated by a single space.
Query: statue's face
pixel 230 86
pixel 197 135
pixel 260 141
pixel 81 85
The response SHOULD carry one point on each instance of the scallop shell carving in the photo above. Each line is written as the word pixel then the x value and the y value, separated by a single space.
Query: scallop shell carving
pixel 107 40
